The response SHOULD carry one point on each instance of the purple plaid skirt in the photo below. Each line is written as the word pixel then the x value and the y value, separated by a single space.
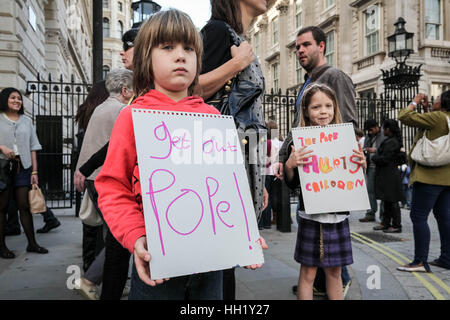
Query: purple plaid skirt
pixel 333 249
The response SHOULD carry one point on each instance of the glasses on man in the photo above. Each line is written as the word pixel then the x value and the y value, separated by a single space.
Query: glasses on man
pixel 127 45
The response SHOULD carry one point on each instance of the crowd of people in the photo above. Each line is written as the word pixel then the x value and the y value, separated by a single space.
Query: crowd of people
pixel 207 65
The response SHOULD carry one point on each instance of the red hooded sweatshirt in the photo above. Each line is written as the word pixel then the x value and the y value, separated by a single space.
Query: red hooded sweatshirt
pixel 118 186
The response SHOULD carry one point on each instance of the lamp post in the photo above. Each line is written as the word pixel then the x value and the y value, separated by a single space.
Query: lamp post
pixel 401 81
pixel 142 10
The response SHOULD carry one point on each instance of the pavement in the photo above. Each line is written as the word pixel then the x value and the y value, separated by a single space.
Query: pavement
pixel 374 276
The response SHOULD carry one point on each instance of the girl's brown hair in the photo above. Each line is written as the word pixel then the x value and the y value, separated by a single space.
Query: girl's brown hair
pixel 306 100
pixel 168 26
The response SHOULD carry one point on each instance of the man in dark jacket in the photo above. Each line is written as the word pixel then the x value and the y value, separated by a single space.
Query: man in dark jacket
pixel 372 142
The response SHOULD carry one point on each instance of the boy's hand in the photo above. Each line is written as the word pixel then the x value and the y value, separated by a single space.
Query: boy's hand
pixel 141 260
pixel 263 244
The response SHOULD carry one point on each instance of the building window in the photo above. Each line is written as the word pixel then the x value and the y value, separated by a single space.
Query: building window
pixel 328 3
pixel 106 69
pixel 257 44
pixel 367 94
pixel 275 77
pixel 105 4
pixel 298 13
pixel 105 28
pixel 438 88
pixel 329 55
pixel 120 6
pixel 433 19
pixel 32 17
pixel 298 70
pixel 275 30
pixel 120 29
pixel 372 30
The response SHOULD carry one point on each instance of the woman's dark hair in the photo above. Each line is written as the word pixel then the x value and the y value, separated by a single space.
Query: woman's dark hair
pixel 228 11
pixel 392 125
pixel 445 100
pixel 4 96
pixel 95 97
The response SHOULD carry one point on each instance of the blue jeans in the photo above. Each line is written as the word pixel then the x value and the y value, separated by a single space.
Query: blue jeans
pixel 407 194
pixel 201 286
pixel 371 191
pixel 427 197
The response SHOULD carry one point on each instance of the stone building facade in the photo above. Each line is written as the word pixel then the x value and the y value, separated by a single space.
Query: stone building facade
pixel 45 37
pixel 117 19
pixel 357 32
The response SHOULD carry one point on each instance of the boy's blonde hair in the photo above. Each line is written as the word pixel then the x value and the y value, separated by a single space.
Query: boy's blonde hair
pixel 168 26
pixel 310 91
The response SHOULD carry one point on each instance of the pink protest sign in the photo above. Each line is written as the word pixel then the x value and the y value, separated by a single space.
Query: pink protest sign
pixel 198 209
pixel 332 181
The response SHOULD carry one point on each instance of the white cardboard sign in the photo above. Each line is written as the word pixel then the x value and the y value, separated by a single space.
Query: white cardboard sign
pixel 332 181
pixel 198 209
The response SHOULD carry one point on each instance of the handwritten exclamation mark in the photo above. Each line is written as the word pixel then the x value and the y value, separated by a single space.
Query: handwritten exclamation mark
pixel 243 208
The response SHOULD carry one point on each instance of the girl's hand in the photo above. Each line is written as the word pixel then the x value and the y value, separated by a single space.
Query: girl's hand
pixel 360 154
pixel 141 260
pixel 298 157
pixel 263 244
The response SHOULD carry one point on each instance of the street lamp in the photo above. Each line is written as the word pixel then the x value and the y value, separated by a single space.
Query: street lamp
pixel 142 10
pixel 402 80
pixel 401 42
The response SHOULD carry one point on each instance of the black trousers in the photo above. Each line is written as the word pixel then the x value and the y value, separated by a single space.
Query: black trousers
pixel 392 216
pixel 117 258
pixel 229 285
pixel 115 270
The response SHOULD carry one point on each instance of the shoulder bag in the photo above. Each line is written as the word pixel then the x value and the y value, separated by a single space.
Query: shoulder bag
pixel 237 97
pixel 88 213
pixel 432 153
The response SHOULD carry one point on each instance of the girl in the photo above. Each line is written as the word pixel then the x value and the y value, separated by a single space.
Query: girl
pixel 18 145
pixel 323 240
pixel 388 184
pixel 167 61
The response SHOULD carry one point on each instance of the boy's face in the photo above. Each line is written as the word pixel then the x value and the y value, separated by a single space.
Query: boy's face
pixel 174 68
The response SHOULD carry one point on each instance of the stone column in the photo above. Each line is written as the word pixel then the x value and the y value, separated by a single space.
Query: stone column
pixel 283 7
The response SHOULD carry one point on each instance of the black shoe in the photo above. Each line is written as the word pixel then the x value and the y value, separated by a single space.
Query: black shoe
pixel 37 249
pixel 438 263
pixel 7 254
pixel 392 230
pixel 12 232
pixel 49 226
